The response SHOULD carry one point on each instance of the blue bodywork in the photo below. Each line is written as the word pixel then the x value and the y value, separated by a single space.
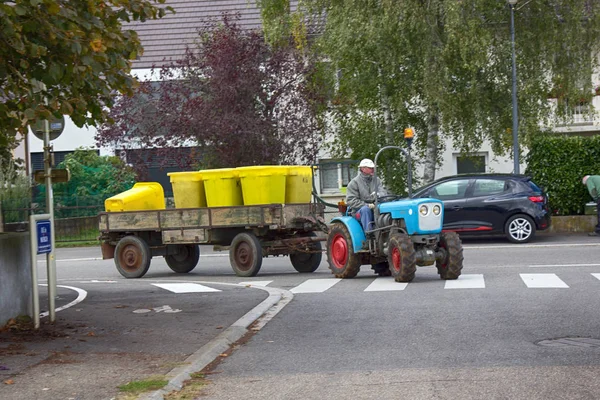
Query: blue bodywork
pixel 406 209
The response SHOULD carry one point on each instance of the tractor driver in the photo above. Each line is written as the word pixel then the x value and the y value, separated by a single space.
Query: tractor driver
pixel 361 193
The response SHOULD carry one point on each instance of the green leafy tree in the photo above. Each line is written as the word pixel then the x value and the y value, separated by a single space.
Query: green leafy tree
pixel 444 67
pixel 66 57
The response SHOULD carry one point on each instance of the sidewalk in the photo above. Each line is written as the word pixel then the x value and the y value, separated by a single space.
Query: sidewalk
pixel 105 342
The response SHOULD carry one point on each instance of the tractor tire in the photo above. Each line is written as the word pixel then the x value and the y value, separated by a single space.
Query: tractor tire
pixel 519 229
pixel 451 267
pixel 132 257
pixel 184 261
pixel 245 255
pixel 401 258
pixel 343 262
pixel 308 262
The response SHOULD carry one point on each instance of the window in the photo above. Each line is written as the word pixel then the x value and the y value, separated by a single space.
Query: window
pixel 451 190
pixel 470 164
pixel 488 187
pixel 336 174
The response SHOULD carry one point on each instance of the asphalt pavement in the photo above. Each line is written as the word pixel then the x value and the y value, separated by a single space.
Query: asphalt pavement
pixel 100 342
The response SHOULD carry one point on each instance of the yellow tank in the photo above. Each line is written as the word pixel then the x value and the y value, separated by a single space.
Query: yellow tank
pixel 142 196
pixel 298 187
pixel 222 187
pixel 263 184
pixel 188 189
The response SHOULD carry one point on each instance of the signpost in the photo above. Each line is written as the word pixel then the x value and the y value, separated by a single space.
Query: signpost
pixel 40 234
pixel 47 131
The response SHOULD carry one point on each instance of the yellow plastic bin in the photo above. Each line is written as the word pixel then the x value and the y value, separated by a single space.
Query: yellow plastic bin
pixel 298 187
pixel 263 184
pixel 142 196
pixel 222 187
pixel 188 189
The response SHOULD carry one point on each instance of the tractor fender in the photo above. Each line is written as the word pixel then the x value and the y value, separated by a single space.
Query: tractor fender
pixel 357 234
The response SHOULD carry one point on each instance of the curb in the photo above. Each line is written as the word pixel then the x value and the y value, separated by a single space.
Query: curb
pixel 261 314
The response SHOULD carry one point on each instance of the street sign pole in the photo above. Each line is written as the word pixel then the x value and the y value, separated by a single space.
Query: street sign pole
pixel 39 233
pixel 50 258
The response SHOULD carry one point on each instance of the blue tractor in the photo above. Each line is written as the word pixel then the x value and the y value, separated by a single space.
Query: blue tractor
pixel 407 233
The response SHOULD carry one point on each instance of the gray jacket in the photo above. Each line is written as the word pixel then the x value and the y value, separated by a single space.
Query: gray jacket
pixel 361 190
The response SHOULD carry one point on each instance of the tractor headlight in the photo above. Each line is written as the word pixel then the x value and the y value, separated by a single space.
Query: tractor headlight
pixel 423 210
pixel 437 210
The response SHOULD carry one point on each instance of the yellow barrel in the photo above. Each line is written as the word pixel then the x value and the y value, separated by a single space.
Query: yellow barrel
pixel 142 196
pixel 298 187
pixel 188 189
pixel 263 184
pixel 222 187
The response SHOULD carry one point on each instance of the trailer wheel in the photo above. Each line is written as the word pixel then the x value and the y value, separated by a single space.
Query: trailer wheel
pixel 184 261
pixel 343 262
pixel 451 266
pixel 401 258
pixel 245 255
pixel 132 257
pixel 307 262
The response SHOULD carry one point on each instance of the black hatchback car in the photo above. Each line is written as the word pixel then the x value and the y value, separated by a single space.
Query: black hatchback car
pixel 491 204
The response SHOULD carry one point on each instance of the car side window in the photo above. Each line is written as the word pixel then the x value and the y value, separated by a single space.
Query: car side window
pixel 488 187
pixel 451 190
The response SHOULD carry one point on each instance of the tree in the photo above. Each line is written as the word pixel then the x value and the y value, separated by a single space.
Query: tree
pixel 235 99
pixel 444 67
pixel 74 55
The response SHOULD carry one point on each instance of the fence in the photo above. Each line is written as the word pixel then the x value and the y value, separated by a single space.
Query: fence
pixel 75 216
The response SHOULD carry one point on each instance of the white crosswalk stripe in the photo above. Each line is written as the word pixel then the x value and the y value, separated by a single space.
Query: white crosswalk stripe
pixel 185 287
pixel 315 285
pixel 466 281
pixel 543 281
pixel 385 284
pixel 597 276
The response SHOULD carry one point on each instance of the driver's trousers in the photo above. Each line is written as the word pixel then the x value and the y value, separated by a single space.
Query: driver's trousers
pixel 365 216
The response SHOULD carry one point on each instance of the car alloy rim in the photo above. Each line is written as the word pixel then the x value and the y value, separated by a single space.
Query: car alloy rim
pixel 519 229
pixel 339 251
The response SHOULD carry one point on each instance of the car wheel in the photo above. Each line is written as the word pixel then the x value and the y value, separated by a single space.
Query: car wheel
pixel 519 228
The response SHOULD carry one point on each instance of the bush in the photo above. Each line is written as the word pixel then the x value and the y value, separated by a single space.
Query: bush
pixel 557 163
pixel 15 193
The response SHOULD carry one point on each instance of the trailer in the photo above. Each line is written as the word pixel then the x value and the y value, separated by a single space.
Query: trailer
pixel 249 233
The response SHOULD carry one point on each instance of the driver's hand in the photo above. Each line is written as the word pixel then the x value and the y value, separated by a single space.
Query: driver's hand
pixel 371 205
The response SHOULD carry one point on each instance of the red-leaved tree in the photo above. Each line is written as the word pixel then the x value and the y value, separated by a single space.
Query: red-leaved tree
pixel 232 98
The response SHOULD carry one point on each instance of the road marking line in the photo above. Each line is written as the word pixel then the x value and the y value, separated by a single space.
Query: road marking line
pixel 597 276
pixel 543 281
pixel 529 246
pixel 563 265
pixel 385 284
pixel 81 295
pixel 467 281
pixel 315 285
pixel 185 287
pixel 255 283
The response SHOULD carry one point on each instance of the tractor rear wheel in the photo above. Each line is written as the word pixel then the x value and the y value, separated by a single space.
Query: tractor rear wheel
pixel 451 266
pixel 343 262
pixel 401 257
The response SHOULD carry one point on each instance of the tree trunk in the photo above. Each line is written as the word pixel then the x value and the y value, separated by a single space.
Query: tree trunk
pixel 431 154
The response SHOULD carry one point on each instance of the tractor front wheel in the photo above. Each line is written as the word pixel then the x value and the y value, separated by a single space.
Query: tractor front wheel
pixel 401 257
pixel 451 266
pixel 343 262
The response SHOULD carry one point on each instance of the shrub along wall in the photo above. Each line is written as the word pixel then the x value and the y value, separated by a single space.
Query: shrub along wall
pixel 557 163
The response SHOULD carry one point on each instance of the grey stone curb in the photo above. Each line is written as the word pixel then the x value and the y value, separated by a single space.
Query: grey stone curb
pixel 278 298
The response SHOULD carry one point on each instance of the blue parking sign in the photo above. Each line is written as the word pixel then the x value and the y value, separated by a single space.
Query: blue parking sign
pixel 44 242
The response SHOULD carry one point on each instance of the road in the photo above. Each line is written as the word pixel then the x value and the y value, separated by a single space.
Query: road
pixel 497 332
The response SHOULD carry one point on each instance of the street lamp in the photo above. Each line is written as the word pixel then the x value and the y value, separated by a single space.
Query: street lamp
pixel 515 113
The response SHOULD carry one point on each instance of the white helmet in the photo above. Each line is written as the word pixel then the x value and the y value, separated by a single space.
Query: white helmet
pixel 366 163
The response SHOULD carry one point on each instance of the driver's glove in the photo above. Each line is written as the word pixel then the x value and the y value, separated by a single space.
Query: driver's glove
pixel 371 205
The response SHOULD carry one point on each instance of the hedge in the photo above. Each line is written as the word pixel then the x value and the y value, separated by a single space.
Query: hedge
pixel 557 164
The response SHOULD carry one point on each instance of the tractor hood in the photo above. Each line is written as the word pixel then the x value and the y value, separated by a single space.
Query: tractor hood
pixel 418 214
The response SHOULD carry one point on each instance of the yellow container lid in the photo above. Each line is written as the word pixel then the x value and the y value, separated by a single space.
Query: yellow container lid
pixel 262 170
pixel 185 176
pixel 219 173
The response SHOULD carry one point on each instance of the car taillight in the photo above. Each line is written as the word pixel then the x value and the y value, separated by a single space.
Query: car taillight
pixel 537 199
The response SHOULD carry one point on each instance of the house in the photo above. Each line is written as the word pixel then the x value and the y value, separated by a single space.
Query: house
pixel 167 38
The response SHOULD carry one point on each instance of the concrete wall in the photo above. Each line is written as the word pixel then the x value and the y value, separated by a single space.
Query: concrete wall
pixel 15 276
